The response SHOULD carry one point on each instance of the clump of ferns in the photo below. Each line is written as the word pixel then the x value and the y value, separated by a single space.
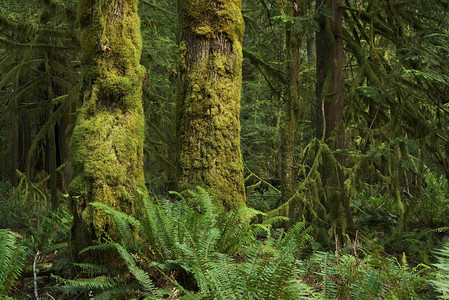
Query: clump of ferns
pixel 202 253
pixel 370 276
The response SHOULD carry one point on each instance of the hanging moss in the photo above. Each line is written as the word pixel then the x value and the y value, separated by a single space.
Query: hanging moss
pixel 208 108
pixel 107 141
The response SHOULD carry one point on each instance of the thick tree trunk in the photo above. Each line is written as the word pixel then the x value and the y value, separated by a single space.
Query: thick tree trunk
pixel 208 108
pixel 107 140
pixel 295 109
pixel 330 104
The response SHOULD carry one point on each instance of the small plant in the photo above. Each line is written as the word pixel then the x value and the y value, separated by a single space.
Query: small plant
pixel 432 209
pixel 26 202
pixel 366 274
pixel 12 258
pixel 441 283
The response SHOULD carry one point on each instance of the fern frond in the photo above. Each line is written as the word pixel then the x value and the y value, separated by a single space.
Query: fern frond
pixel 100 247
pixel 92 268
pixel 158 228
pixel 138 273
pixel 442 282
pixel 299 235
pixel 71 287
pixel 327 270
pixel 122 221
pixel 12 257
pixel 237 230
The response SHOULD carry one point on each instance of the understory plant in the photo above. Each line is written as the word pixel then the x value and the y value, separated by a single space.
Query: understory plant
pixel 366 274
pixel 441 283
pixel 12 259
pixel 188 249
pixel 31 233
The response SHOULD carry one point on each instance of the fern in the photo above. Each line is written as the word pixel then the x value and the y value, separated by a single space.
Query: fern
pixel 140 275
pixel 12 258
pixel 441 284
pixel 219 251
pixel 327 271
pixel 95 284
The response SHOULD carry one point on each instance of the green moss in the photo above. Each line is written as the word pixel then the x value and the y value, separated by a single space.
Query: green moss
pixel 79 186
pixel 209 102
pixel 204 30
pixel 107 141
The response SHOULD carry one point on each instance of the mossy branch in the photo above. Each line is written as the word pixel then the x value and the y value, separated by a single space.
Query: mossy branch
pixel 41 46
pixel 256 60
pixel 29 63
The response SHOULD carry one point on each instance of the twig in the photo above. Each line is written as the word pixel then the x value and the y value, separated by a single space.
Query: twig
pixel 35 275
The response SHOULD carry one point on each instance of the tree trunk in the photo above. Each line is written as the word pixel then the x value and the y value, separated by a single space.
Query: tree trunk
pixel 330 104
pixel 208 108
pixel 24 140
pixel 295 109
pixel 51 142
pixel 15 157
pixel 107 140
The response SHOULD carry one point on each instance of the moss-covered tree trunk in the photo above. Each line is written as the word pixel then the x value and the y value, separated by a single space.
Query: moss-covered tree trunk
pixel 329 91
pixel 295 109
pixel 208 108
pixel 107 140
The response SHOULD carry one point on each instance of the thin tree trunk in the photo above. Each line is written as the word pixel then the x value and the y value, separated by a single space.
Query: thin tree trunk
pixel 25 140
pixel 295 109
pixel 51 141
pixel 107 140
pixel 208 108
pixel 15 158
pixel 329 92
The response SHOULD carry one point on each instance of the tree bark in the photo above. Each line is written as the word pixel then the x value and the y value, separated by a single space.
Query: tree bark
pixel 208 108
pixel 15 158
pixel 51 142
pixel 330 104
pixel 107 141
pixel 295 109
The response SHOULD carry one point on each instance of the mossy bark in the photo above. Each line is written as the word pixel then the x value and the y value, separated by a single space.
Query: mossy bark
pixel 51 140
pixel 295 107
pixel 107 141
pixel 208 108
pixel 330 105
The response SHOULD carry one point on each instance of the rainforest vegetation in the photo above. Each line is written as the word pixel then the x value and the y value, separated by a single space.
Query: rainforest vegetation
pixel 224 149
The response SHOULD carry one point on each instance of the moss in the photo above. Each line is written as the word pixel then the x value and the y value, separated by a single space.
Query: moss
pixel 204 30
pixel 107 141
pixel 209 102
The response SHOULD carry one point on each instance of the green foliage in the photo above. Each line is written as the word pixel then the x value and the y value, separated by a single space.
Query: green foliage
pixel 12 258
pixel 160 56
pixel 372 276
pixel 214 254
pixel 89 284
pixel 37 46
pixel 49 232
pixel 24 203
pixel 41 230
pixel 378 217
pixel 441 283
pixel 432 209
pixel 373 210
